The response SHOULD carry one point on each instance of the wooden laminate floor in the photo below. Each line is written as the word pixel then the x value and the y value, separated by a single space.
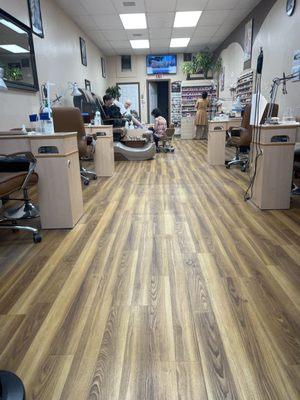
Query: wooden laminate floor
pixel 170 287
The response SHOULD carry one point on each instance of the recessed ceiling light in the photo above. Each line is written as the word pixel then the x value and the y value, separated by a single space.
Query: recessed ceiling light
pixel 186 19
pixel 12 26
pixel 14 48
pixel 179 42
pixel 140 44
pixel 134 21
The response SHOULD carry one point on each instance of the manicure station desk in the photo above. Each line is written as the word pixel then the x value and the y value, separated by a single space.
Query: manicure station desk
pixel 104 149
pixel 217 138
pixel 274 173
pixel 59 186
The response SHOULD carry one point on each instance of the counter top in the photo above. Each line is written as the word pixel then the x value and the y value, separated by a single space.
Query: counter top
pixel 14 135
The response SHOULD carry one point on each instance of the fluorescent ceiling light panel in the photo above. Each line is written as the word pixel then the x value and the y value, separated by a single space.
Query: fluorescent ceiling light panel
pixel 140 44
pixel 12 26
pixel 186 19
pixel 179 42
pixel 13 48
pixel 134 21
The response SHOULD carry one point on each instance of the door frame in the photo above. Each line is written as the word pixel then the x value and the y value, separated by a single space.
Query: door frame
pixel 169 91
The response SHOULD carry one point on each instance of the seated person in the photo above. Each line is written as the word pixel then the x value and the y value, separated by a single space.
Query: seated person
pixel 112 112
pixel 160 126
pixel 125 111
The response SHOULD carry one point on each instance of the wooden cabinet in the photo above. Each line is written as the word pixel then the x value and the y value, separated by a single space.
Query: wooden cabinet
pixel 59 187
pixel 273 176
pixel 104 156
pixel 187 127
pixel 217 139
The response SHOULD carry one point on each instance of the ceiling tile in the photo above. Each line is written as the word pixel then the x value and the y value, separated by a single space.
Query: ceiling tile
pixel 182 32
pixel 120 44
pixel 209 18
pixel 205 31
pixel 134 34
pixel 108 21
pixel 114 34
pixel 191 5
pixel 160 33
pixel 98 6
pixel 160 5
pixel 159 42
pixel 121 9
pixel 199 41
pixel 86 22
pixel 221 5
pixel 160 20
pixel 75 9
pixel 160 50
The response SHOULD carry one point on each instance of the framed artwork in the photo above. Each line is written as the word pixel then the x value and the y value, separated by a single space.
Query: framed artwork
pixel 290 7
pixel 103 67
pixel 87 85
pixel 248 40
pixel 35 17
pixel 83 51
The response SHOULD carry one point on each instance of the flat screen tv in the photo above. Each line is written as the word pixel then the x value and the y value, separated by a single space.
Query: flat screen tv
pixel 161 64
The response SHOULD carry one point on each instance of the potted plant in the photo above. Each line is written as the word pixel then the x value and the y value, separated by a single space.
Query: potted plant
pixel 114 91
pixel 204 62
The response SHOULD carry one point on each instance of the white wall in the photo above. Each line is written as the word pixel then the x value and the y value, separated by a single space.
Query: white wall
pixel 57 58
pixel 138 74
pixel 233 61
pixel 279 36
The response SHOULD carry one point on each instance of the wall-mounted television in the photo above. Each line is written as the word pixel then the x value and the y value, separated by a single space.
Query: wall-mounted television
pixel 161 64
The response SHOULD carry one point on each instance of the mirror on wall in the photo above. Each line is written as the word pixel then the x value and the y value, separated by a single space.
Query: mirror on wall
pixel 17 54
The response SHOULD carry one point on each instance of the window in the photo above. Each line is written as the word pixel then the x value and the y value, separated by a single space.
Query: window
pixel 126 63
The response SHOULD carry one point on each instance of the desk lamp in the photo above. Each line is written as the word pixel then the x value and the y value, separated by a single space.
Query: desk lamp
pixel 2 83
pixel 75 91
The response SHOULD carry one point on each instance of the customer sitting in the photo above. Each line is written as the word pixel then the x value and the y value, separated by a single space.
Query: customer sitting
pixel 160 126
pixel 127 113
pixel 112 112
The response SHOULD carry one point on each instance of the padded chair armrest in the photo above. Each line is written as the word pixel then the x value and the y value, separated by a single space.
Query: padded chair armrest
pixel 29 157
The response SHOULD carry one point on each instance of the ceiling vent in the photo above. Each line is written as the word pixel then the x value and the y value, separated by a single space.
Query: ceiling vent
pixel 128 3
pixel 137 34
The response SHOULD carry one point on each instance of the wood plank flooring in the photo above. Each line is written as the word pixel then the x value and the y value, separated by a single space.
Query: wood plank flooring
pixel 171 287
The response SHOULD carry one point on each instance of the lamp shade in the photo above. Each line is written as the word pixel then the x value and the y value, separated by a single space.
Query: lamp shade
pixel 75 91
pixel 2 83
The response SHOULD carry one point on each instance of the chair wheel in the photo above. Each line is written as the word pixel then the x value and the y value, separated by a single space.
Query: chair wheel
pixel 227 166
pixel 243 168
pixel 95 177
pixel 86 183
pixel 37 238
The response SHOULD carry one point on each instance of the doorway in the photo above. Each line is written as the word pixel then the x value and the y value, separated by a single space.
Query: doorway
pixel 158 93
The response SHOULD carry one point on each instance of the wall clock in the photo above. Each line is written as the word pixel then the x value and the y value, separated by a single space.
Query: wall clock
pixel 290 7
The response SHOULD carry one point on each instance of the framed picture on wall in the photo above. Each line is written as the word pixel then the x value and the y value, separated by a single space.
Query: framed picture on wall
pixel 103 67
pixel 35 16
pixel 248 40
pixel 83 51
pixel 87 85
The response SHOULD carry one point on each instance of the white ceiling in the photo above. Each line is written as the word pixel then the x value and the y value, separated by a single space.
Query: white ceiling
pixel 100 20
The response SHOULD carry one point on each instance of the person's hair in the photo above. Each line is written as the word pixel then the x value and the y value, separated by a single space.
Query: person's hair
pixel 107 97
pixel 156 112
pixel 204 95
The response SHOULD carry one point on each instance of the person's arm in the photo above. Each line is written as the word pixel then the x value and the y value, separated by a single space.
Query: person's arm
pixel 155 124
pixel 136 122
pixel 196 106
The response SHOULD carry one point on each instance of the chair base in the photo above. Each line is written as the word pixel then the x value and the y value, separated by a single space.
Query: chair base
pixel 84 172
pixel 26 210
pixel 11 386
pixel 243 162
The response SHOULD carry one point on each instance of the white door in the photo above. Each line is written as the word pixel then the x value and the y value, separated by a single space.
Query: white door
pixel 152 99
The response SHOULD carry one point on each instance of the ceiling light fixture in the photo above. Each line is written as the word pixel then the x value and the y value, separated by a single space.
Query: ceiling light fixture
pixel 140 44
pixel 179 42
pixel 186 19
pixel 14 48
pixel 134 21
